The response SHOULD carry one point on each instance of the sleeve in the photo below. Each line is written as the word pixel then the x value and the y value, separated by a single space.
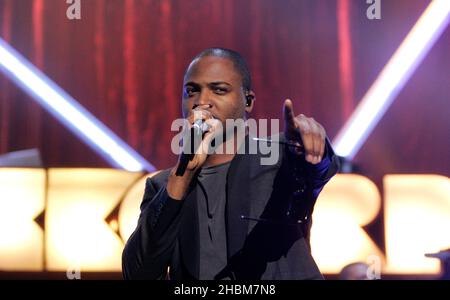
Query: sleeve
pixel 307 182
pixel 318 175
pixel 149 249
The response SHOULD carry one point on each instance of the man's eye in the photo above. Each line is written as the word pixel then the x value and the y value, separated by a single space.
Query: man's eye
pixel 220 91
pixel 190 91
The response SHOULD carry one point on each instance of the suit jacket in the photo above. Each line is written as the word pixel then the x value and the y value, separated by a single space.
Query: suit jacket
pixel 268 220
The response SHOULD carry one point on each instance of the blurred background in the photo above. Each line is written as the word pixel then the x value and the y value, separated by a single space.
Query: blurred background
pixel 124 60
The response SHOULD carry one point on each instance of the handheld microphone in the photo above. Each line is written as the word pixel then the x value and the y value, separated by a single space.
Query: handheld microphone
pixel 200 127
pixel 190 145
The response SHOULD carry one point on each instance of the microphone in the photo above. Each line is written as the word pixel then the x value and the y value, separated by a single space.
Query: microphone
pixel 198 129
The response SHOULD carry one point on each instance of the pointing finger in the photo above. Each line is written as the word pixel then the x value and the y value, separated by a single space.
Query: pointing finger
pixel 289 115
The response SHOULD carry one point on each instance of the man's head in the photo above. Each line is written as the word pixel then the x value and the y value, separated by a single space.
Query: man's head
pixel 218 80
pixel 354 271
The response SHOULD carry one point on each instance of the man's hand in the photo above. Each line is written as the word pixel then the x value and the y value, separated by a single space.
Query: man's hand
pixel 177 186
pixel 306 131
pixel 214 129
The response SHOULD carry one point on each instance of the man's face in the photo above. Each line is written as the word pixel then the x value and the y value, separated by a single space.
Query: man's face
pixel 212 83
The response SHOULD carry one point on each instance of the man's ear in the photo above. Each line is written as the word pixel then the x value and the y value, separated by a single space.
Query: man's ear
pixel 250 99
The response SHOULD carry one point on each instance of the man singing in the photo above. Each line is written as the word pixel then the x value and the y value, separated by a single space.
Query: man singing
pixel 227 216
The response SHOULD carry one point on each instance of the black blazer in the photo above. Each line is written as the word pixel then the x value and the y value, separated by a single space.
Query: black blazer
pixel 280 197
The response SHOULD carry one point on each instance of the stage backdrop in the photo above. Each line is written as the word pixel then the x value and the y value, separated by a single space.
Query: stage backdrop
pixel 124 61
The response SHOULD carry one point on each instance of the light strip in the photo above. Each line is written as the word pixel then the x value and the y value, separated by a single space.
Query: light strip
pixel 392 78
pixel 69 111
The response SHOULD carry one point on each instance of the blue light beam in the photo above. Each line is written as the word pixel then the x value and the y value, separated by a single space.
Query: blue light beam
pixel 66 109
pixel 392 78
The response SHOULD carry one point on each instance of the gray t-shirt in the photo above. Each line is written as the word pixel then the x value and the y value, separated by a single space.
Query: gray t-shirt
pixel 211 200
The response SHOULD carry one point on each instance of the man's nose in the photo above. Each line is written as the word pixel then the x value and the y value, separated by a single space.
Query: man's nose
pixel 202 101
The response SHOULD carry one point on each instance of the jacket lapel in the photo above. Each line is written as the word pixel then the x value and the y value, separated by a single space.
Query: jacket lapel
pixel 189 235
pixel 238 203
pixel 243 168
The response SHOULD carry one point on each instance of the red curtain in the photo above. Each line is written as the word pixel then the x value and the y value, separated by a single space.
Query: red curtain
pixel 124 61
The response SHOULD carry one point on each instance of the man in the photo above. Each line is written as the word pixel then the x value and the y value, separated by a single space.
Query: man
pixel 354 271
pixel 227 216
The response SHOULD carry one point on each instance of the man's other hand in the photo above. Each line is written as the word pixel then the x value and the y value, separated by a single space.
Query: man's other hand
pixel 306 131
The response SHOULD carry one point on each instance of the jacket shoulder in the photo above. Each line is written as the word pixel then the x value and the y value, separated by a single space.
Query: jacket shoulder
pixel 158 179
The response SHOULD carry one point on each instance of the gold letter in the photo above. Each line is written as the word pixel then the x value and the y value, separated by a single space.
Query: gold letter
pixel 21 201
pixel 347 203
pixel 417 214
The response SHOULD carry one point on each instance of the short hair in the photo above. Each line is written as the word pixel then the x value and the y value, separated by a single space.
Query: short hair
pixel 346 272
pixel 239 63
